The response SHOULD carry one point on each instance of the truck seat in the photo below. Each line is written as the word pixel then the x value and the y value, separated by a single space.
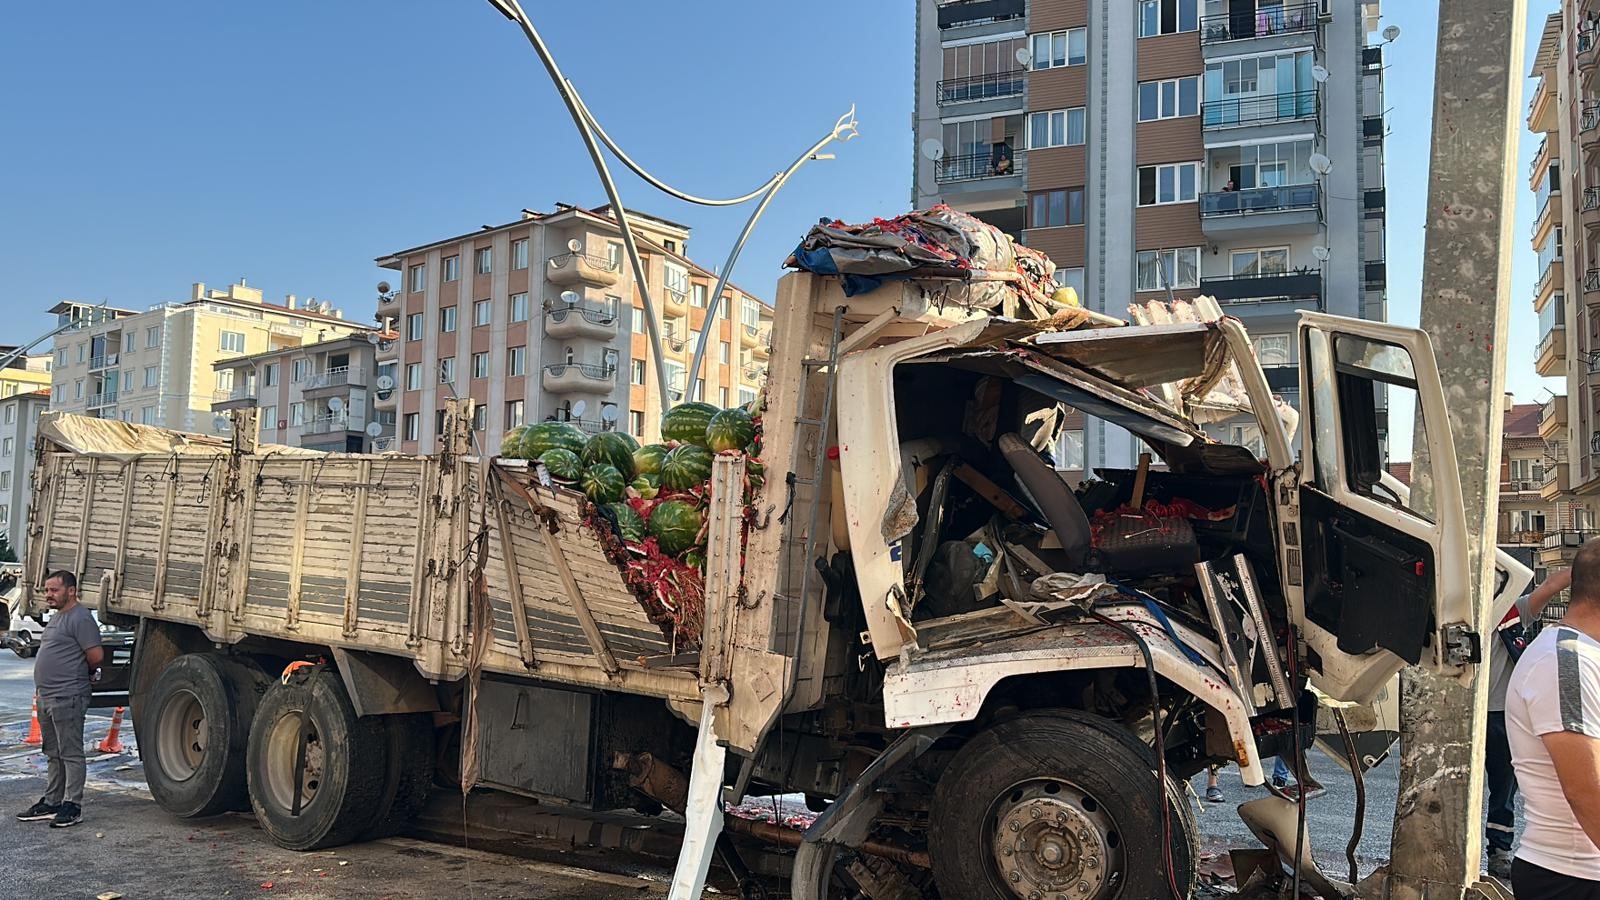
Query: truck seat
pixel 1053 497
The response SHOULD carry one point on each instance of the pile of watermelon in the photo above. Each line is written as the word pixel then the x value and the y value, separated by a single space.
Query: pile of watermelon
pixel 649 504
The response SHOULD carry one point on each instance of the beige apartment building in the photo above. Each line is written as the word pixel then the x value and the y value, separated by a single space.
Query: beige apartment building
pixel 25 375
pixel 19 420
pixel 321 396
pixel 157 367
pixel 540 319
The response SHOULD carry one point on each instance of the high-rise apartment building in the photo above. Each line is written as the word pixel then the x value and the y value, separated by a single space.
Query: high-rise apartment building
pixel 540 319
pixel 1565 180
pixel 1230 148
pixel 156 367
pixel 25 374
pixel 19 421
pixel 321 396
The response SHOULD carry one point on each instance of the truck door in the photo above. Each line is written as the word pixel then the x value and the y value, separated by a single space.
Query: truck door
pixel 1386 580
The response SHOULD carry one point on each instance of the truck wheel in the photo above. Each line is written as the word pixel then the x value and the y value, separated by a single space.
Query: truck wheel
pixel 1056 804
pixel 409 777
pixel 344 771
pixel 194 752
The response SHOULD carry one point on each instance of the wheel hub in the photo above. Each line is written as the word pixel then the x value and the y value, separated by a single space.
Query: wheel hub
pixel 1047 848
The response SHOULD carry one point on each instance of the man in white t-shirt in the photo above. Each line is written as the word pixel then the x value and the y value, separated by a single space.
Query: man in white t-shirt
pixel 1553 725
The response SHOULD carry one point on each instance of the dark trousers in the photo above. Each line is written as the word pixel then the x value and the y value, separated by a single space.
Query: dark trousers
pixel 1502 784
pixel 1535 883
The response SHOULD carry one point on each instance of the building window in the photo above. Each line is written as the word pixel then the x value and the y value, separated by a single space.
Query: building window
pixel 723 352
pixel 130 342
pixel 11 415
pixel 1060 48
pixel 676 279
pixel 1069 451
pixel 1158 17
pixel 8 446
pixel 451 269
pixel 419 279
pixel 1169 99
pixel 127 380
pixel 297 414
pixel 1265 261
pixel 1274 349
pixel 1172 183
pixel 752 312
pixel 147 415
pixel 5 481
pixel 447 370
pixel 485 260
pixel 413 426
pixel 1248 437
pixel 232 342
pixel 636 423
pixel 152 376
pixel 447 319
pixel 614 255
pixel 225 380
pixel 636 371
pixel 516 360
pixel 300 370
pixel 1053 209
pixel 480 418
pixel 638 320
pixel 482 313
pixel 1057 128
pixel 61 358
pixel 747 395
pixel 414 377
pixel 1160 269
pixel 513 414
pixel 269 417
pixel 414 327
pixel 480 365
pixel 519 307
pixel 697 296
pixel 152 338
pixel 519 253
pixel 83 352
pixel 269 375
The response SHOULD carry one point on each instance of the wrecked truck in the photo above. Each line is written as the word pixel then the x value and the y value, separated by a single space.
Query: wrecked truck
pixel 989 682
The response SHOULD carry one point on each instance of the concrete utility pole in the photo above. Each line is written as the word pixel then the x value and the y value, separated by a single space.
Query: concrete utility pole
pixel 1466 284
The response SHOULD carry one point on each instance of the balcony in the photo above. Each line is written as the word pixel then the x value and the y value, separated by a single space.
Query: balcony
pixel 1303 286
pixel 1586 48
pixel 964 13
pixel 753 372
pixel 109 361
pixel 1290 209
pixel 588 426
pixel 330 424
pixel 1542 116
pixel 975 166
pixel 1550 213
pixel 242 397
pixel 334 380
pixel 1237 111
pixel 749 335
pixel 1523 485
pixel 1270 21
pixel 582 320
pixel 1557 480
pixel 1591 282
pixel 1589 127
pixel 580 269
pixel 1541 158
pixel 1553 418
pixel 988 86
pixel 104 398
pixel 1507 537
pixel 1559 547
pixel 1589 207
pixel 675 301
pixel 579 378
pixel 1552 353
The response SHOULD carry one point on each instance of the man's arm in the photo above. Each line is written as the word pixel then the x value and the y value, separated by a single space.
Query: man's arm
pixel 94 656
pixel 1546 591
pixel 1577 762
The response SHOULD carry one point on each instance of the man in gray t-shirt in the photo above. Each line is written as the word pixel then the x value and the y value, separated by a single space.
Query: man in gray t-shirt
pixel 69 656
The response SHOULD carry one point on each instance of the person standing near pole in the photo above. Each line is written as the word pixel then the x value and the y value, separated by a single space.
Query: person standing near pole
pixel 64 671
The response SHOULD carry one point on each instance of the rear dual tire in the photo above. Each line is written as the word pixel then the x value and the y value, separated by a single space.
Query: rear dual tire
pixel 199 716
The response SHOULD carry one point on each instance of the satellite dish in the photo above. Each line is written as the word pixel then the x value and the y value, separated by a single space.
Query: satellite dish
pixel 608 413
pixel 578 408
pixel 1024 56
pixel 372 338
pixel 570 298
pixel 1321 253
pixel 1391 33
pixel 933 149
pixel 1319 74
pixel 221 423
pixel 385 345
pixel 383 287
pixel 575 245
pixel 385 382
pixel 335 404
pixel 1320 163
pixel 374 429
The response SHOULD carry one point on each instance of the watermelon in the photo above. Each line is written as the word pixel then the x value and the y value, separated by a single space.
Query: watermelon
pixel 685 467
pixel 686 423
pixel 731 429
pixel 647 486
pixel 676 526
pixel 647 459
pixel 610 448
pixel 603 483
pixel 563 465
pixel 550 435
pixel 630 525
pixel 511 446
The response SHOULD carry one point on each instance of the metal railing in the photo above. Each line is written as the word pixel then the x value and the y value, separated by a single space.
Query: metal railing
pixel 754 372
pixel 1591 280
pixel 1538 157
pixel 988 86
pixel 1586 42
pixel 1590 118
pixel 1512 536
pixel 1591 199
pixel 335 377
pixel 602 263
pixel 326 425
pixel 588 370
pixel 1522 485
pixel 107 361
pixel 978 12
pixel 973 166
pixel 1259 110
pixel 676 297
pixel 1564 539
pixel 104 398
pixel 592 426
pixel 1258 200
pixel 238 393
pixel 1263 22
pixel 599 315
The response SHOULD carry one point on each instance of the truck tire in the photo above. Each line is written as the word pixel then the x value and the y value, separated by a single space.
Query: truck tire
pixel 249 684
pixel 194 751
pixel 409 777
pixel 346 763
pixel 1056 803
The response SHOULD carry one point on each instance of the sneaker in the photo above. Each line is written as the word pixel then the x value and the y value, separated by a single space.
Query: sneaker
pixel 1500 864
pixel 70 815
pixel 38 812
pixel 1214 795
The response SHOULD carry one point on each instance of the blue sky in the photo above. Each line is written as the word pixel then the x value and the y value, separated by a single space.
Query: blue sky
pixel 154 145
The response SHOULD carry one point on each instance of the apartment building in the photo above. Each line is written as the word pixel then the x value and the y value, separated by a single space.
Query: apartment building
pixel 157 367
pixel 321 396
pixel 19 421
pixel 540 319
pixel 1231 148
pixel 25 374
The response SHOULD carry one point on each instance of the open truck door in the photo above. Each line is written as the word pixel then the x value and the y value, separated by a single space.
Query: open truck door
pixel 1386 580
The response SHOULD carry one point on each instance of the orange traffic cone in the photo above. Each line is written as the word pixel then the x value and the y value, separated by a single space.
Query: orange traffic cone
pixel 35 738
pixel 112 742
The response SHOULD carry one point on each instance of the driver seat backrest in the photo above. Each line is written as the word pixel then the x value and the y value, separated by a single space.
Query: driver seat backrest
pixel 1054 498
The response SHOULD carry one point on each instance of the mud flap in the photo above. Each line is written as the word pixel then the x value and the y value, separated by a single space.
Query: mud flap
pixel 703 814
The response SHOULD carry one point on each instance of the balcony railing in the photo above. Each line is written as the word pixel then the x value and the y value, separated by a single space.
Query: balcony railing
pixel 592 426
pixel 1591 280
pixel 234 394
pixel 973 166
pixel 1263 22
pixel 597 372
pixel 988 86
pixel 1590 118
pixel 1568 539
pixel 1591 199
pixel 108 361
pixel 1586 44
pixel 104 398
pixel 1303 284
pixel 979 12
pixel 1513 536
pixel 1522 485
pixel 326 425
pixel 1260 200
pixel 335 377
pixel 599 315
pixel 1538 158
pixel 1259 110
